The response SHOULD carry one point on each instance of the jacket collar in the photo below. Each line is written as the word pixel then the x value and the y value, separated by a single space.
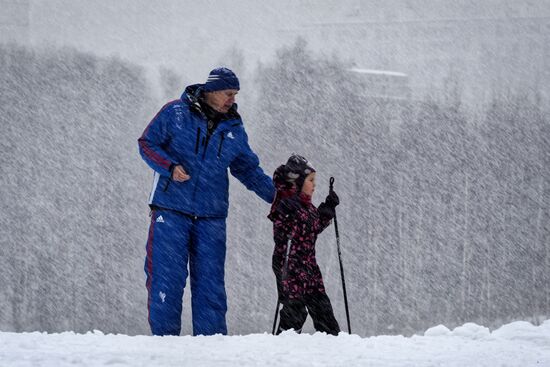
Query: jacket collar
pixel 193 95
pixel 304 198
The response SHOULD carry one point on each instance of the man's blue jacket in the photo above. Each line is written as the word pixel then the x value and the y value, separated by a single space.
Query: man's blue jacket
pixel 177 135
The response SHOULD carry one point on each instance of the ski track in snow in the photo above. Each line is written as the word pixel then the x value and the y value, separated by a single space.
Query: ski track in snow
pixel 516 344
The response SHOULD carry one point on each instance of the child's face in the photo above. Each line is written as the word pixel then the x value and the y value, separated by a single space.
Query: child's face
pixel 309 184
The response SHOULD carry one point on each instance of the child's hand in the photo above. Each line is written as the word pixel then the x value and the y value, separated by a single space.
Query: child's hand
pixel 326 211
pixel 332 199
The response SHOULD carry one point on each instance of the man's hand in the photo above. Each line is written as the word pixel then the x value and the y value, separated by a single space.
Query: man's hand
pixel 179 174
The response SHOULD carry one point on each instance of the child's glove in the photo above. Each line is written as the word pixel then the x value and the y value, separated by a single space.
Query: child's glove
pixel 332 199
pixel 327 209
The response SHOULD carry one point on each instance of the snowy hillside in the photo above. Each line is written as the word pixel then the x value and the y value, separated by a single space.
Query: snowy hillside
pixel 515 344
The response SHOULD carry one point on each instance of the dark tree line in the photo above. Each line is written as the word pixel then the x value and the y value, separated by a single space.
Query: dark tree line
pixel 444 218
pixel 70 191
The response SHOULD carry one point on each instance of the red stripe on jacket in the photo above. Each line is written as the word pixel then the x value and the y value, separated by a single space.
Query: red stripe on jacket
pixel 149 152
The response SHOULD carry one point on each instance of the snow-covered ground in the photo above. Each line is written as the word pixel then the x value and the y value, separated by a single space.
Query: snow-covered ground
pixel 515 344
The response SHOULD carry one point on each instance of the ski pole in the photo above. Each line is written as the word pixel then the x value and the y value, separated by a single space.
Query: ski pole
pixel 276 315
pixel 283 278
pixel 340 260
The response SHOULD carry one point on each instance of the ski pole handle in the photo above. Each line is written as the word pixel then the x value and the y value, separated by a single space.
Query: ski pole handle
pixel 331 184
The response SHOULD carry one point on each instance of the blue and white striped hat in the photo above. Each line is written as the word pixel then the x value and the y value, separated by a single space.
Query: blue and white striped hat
pixel 221 79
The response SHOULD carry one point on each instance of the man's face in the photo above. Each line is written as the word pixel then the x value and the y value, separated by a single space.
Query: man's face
pixel 221 100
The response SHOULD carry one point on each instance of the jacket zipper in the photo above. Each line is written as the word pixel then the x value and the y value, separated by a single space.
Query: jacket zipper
pixel 197 142
pixel 221 144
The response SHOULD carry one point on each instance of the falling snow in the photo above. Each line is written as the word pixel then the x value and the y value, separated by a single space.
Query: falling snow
pixel 433 119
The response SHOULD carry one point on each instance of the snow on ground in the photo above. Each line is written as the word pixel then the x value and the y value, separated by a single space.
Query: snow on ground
pixel 516 344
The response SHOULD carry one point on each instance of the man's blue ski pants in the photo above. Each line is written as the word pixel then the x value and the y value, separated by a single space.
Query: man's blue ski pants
pixel 176 240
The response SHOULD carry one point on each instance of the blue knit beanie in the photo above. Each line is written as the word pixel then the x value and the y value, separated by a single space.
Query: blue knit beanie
pixel 221 79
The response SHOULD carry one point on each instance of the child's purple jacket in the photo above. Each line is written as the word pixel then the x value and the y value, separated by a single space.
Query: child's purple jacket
pixel 303 276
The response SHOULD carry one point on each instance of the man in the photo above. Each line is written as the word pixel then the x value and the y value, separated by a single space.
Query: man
pixel 190 144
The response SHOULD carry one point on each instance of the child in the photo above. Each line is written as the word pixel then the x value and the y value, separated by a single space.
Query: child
pixel 296 223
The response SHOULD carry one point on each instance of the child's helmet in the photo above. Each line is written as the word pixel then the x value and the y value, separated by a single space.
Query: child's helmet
pixel 297 169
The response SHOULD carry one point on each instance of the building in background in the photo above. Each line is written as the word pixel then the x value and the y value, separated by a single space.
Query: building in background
pixel 382 84
pixel 482 52
pixel 477 51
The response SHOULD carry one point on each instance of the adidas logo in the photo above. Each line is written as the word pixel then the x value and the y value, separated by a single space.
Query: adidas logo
pixel 160 219
pixel 230 135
